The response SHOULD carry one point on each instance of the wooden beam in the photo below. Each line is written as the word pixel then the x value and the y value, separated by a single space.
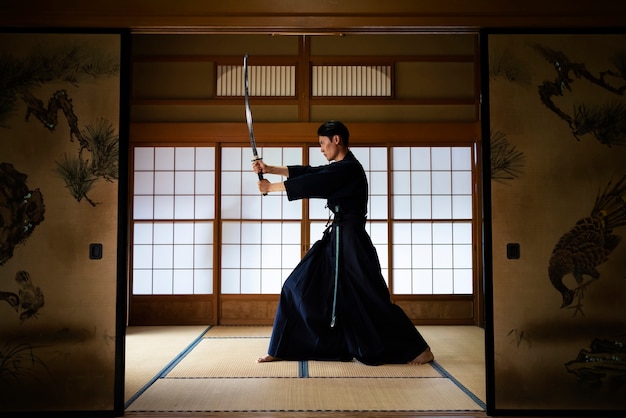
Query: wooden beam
pixel 307 17
pixel 273 133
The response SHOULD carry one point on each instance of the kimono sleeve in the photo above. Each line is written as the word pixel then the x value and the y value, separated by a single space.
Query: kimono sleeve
pixel 316 182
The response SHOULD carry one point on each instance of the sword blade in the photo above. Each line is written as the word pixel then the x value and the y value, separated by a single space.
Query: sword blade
pixel 248 110
pixel 246 81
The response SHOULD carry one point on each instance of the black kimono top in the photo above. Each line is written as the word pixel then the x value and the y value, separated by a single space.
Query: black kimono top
pixel 341 183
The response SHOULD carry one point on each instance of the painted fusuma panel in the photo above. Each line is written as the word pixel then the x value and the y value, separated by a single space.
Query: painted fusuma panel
pixel 558 189
pixel 59 153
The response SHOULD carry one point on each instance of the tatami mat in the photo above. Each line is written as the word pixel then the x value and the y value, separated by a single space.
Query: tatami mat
pixel 239 331
pixel 356 369
pixel 231 357
pixel 460 350
pixel 341 394
pixel 236 357
pixel 150 348
pixel 218 372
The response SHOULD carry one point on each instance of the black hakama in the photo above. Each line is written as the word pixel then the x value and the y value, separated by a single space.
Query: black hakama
pixel 366 325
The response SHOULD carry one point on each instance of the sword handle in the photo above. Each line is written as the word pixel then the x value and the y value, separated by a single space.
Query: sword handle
pixel 261 178
pixel 260 173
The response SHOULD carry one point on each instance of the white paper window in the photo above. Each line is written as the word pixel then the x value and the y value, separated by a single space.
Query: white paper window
pixel 257 257
pixel 432 220
pixel 241 198
pixel 173 211
pixel 174 250
pixel 144 159
pixel 428 191
pixel 432 183
pixel 425 251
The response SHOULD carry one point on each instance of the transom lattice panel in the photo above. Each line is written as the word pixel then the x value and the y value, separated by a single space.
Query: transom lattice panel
pixel 351 80
pixel 263 80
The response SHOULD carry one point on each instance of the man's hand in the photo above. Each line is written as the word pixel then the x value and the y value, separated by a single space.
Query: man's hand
pixel 264 186
pixel 258 166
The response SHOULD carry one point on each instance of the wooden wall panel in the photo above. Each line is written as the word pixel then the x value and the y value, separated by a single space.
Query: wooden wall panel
pixel 241 310
pixel 449 311
pixel 172 310
pixel 246 311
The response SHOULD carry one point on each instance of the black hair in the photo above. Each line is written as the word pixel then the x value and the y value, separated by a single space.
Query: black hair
pixel 334 127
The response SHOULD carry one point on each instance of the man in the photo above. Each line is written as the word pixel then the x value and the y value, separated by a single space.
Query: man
pixel 335 305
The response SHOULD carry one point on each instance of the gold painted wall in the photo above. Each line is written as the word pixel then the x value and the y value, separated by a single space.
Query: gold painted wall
pixel 59 194
pixel 558 141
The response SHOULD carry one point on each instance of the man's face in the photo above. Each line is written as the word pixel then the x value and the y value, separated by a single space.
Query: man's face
pixel 329 146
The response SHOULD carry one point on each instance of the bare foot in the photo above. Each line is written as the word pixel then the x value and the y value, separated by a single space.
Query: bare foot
pixel 425 357
pixel 267 359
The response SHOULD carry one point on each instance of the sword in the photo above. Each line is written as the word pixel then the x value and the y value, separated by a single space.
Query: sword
pixel 249 112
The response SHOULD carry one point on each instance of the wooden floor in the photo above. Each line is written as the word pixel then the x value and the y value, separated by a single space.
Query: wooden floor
pixel 256 414
pixel 342 415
